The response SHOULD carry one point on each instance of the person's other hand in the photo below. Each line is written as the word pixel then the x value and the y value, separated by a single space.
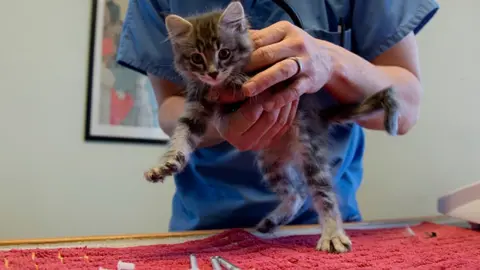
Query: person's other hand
pixel 274 48
pixel 253 128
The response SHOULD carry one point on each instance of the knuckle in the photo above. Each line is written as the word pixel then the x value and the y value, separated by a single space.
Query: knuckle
pixel 272 118
pixel 267 55
pixel 285 24
pixel 285 99
pixel 298 45
pixel 283 121
pixel 286 71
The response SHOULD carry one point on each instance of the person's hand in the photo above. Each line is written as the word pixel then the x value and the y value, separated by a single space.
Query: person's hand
pixel 253 128
pixel 261 122
pixel 275 46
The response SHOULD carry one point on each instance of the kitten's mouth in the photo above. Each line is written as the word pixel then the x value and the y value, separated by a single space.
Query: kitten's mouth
pixel 211 81
pixel 214 81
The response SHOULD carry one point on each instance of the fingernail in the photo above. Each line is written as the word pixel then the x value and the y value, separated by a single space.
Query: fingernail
pixel 249 89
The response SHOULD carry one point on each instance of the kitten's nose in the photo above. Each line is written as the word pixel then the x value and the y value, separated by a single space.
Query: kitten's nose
pixel 213 74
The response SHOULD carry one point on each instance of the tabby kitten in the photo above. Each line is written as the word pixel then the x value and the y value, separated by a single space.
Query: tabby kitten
pixel 210 50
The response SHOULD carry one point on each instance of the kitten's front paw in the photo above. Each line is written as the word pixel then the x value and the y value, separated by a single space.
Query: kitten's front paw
pixel 172 163
pixel 336 242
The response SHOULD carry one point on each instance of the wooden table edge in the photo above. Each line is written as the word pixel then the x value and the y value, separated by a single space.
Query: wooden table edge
pixel 36 241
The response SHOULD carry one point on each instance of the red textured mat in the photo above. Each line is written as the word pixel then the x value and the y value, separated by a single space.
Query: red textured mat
pixel 452 248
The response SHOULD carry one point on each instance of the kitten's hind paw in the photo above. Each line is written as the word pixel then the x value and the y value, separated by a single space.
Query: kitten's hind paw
pixel 266 226
pixel 337 242
pixel 171 164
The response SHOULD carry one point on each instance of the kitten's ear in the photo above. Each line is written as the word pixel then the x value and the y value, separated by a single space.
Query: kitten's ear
pixel 233 17
pixel 177 26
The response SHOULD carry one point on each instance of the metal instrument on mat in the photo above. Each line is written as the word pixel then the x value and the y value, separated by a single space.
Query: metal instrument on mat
pixel 217 263
pixel 223 262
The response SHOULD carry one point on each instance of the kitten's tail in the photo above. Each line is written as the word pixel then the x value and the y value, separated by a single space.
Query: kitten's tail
pixel 381 101
pixel 347 112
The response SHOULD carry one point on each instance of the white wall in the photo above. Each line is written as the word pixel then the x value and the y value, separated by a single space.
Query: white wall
pixel 405 175
pixel 47 170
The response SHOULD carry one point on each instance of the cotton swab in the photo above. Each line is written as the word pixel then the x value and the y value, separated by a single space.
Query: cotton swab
pixel 226 263
pixel 215 263
pixel 125 266
pixel 193 262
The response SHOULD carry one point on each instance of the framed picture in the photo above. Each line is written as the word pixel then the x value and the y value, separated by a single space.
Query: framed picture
pixel 121 104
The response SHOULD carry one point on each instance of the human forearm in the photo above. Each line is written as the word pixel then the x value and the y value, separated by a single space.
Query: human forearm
pixel 354 78
pixel 171 110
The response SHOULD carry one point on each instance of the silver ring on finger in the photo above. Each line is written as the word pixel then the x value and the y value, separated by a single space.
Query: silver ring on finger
pixel 299 65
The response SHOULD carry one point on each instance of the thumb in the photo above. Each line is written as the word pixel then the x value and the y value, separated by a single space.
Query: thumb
pixel 220 123
pixel 252 31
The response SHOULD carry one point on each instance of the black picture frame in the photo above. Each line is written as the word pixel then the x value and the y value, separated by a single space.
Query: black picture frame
pixel 120 103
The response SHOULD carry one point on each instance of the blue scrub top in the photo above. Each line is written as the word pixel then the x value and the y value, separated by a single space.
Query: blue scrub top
pixel 221 187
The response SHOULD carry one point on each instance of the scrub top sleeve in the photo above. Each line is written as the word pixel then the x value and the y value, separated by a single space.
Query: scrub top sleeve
pixel 379 24
pixel 144 46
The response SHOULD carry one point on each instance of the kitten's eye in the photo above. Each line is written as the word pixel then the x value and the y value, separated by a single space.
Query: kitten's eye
pixel 196 58
pixel 224 54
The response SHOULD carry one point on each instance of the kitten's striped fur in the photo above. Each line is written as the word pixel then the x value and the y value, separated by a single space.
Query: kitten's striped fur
pixel 304 148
